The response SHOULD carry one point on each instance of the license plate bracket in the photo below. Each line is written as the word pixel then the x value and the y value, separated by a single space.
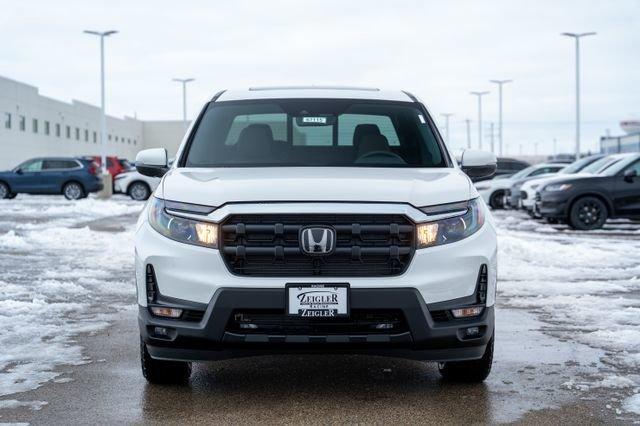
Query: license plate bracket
pixel 318 300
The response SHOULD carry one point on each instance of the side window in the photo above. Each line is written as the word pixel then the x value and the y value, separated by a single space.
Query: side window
pixel 59 164
pixel 32 166
pixel 347 126
pixel 540 171
pixel 635 166
pixel 277 123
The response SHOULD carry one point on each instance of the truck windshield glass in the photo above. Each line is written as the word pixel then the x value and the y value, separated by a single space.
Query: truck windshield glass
pixel 315 133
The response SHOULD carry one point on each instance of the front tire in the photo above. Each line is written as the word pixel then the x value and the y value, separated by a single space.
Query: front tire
pixel 496 201
pixel 163 372
pixel 139 191
pixel 475 371
pixel 587 213
pixel 73 191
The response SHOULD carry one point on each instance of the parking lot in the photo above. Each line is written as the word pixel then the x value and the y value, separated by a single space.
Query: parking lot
pixel 567 345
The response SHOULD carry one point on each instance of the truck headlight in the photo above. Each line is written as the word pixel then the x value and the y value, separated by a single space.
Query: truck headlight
pixel 188 231
pixel 558 187
pixel 451 229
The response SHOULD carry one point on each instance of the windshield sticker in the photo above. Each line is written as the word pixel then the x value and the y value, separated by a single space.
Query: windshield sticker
pixel 314 120
pixel 422 120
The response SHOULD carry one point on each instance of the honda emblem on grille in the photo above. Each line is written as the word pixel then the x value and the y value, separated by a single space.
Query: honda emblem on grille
pixel 317 240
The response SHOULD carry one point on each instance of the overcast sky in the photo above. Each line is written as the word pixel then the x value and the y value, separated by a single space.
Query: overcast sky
pixel 439 50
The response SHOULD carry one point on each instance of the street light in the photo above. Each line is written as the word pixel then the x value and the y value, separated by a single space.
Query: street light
pixel 103 118
pixel 500 83
pixel 468 123
pixel 446 116
pixel 479 95
pixel 184 82
pixel 577 36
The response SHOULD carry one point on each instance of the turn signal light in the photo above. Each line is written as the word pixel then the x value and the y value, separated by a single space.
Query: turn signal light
pixel 473 311
pixel 160 311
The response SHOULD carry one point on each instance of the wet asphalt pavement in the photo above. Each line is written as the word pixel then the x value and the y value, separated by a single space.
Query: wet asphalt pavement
pixel 533 363
pixel 302 389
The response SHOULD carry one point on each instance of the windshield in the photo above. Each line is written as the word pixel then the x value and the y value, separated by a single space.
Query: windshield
pixel 600 165
pixel 576 166
pixel 314 132
pixel 523 173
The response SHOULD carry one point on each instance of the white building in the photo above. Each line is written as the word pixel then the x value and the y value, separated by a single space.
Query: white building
pixel 32 125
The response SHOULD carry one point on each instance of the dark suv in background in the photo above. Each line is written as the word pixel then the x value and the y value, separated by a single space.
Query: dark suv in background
pixel 586 201
pixel 72 177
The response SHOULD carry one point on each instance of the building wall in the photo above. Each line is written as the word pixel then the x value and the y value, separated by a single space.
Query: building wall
pixel 618 144
pixel 163 134
pixel 32 125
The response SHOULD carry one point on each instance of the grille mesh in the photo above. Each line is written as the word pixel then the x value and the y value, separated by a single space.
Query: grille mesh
pixel 268 245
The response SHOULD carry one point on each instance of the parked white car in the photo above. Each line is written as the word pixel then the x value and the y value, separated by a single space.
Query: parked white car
pixel 315 220
pixel 493 191
pixel 134 184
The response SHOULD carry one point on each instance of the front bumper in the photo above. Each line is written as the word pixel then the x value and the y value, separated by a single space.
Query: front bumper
pixel 551 205
pixel 425 336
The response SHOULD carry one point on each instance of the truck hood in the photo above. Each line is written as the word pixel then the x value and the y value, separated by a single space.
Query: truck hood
pixel 215 187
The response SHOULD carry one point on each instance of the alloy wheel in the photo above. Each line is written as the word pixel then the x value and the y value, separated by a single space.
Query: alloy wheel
pixel 72 191
pixel 4 191
pixel 139 191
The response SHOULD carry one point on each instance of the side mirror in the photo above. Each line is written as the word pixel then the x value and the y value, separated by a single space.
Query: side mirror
pixel 478 164
pixel 18 171
pixel 152 162
pixel 630 174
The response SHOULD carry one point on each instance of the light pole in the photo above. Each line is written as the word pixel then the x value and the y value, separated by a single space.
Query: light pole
pixel 468 122
pixel 103 117
pixel 577 37
pixel 500 83
pixel 479 95
pixel 446 116
pixel 184 82
pixel 492 138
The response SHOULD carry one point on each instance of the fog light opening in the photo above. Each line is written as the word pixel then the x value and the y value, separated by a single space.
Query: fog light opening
pixel 472 311
pixel 161 331
pixel 472 332
pixel 161 311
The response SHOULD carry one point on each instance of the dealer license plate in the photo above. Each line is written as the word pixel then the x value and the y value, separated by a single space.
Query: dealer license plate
pixel 318 300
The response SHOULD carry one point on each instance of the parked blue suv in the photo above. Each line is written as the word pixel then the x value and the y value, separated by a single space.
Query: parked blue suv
pixel 72 177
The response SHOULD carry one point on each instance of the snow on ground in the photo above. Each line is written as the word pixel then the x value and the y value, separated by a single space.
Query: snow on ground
pixel 586 287
pixel 58 278
pixel 61 276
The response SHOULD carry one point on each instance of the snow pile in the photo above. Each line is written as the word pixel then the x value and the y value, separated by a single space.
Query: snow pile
pixel 582 283
pixel 57 282
pixel 13 403
pixel 632 404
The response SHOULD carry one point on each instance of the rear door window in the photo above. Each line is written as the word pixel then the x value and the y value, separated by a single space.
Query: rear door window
pixel 59 165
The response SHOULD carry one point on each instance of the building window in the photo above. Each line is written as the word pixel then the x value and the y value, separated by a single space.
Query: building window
pixel 47 128
pixel 34 126
pixel 109 137
pixel 129 141
pixel 77 133
pixel 23 123
pixel 68 132
pixel 135 142
pixel 57 130
pixel 7 120
pixel 86 135
pixel 95 137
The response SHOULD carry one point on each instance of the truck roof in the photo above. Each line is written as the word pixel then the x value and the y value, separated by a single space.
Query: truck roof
pixel 315 92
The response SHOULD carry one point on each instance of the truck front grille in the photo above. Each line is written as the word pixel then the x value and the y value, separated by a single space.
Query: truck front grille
pixel 268 245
